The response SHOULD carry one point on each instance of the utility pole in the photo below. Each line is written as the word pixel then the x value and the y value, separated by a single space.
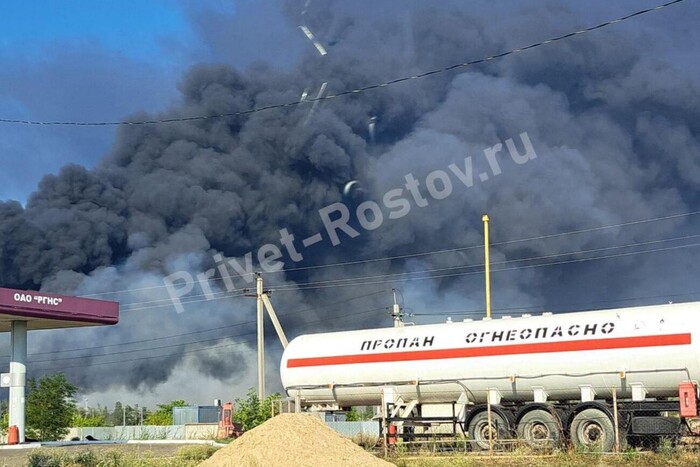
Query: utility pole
pixel 396 312
pixel 261 336
pixel 273 317
pixel 263 303
pixel 123 415
pixel 487 262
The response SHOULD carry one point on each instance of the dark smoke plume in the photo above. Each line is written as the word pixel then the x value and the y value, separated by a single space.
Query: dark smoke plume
pixel 614 125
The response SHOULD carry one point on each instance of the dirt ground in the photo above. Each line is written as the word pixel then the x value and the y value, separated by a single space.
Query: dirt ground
pixel 18 457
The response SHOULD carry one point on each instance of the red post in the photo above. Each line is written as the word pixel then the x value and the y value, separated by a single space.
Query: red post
pixel 392 434
pixel 13 435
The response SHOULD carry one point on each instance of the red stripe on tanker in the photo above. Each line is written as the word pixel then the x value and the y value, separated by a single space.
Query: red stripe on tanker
pixel 564 346
pixel 656 346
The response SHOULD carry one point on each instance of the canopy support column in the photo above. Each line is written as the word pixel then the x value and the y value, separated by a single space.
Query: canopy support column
pixel 18 376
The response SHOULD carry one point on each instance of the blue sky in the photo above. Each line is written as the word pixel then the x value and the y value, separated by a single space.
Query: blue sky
pixel 129 26
pixel 99 60
pixel 79 60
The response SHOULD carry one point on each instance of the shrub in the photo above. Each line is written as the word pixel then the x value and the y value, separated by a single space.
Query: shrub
pixel 366 441
pixel 43 459
pixel 196 453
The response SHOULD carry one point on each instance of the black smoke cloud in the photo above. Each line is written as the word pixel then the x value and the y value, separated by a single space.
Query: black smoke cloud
pixel 613 123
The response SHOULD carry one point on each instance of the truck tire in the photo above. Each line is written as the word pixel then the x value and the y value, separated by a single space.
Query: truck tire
pixel 479 430
pixel 592 430
pixel 540 430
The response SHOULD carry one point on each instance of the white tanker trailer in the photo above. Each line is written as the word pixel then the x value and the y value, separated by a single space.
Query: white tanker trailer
pixel 547 378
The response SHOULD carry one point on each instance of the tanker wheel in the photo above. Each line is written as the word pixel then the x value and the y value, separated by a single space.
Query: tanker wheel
pixel 479 429
pixel 593 430
pixel 540 430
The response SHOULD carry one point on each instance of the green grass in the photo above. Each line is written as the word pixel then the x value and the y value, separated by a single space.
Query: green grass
pixel 186 456
pixel 565 459
pixel 190 456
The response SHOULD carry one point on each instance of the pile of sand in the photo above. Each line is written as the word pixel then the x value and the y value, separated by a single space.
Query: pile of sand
pixel 293 440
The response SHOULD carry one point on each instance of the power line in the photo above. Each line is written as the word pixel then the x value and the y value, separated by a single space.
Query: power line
pixel 480 265
pixel 405 256
pixel 180 344
pixel 243 323
pixel 168 302
pixel 352 281
pixel 507 242
pixel 358 281
pixel 453 313
pixel 202 349
pixel 480 311
pixel 555 263
pixel 147 340
pixel 355 91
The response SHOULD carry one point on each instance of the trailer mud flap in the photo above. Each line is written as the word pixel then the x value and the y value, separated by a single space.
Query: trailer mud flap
pixel 688 399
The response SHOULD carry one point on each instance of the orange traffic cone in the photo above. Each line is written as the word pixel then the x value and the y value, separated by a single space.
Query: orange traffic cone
pixel 13 435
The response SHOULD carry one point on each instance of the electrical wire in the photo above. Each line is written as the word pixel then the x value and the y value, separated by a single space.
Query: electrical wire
pixel 363 280
pixel 149 349
pixel 168 302
pixel 414 255
pixel 355 314
pixel 280 315
pixel 357 281
pixel 587 305
pixel 555 263
pixel 325 284
pixel 456 312
pixel 354 91
pixel 451 312
pixel 481 265
pixel 507 242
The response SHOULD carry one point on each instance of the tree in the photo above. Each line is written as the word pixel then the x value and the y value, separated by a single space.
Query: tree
pixel 90 416
pixel 132 415
pixel 117 417
pixel 164 414
pixel 5 409
pixel 354 415
pixel 96 419
pixel 269 407
pixel 50 407
pixel 104 413
pixel 251 412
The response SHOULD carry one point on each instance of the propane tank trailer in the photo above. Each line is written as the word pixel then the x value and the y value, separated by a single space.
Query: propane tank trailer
pixel 545 379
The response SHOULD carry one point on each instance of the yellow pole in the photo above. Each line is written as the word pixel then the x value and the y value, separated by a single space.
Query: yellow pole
pixel 487 262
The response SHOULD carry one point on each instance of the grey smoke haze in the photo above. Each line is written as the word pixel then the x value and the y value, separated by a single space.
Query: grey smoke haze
pixel 613 117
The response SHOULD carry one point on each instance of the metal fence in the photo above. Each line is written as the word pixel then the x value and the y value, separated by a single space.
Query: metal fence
pixel 546 430
pixel 353 429
pixel 197 431
pixel 613 419
pixel 583 418
pixel 145 432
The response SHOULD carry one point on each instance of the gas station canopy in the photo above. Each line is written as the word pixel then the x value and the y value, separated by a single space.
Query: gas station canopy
pixel 24 310
pixel 49 311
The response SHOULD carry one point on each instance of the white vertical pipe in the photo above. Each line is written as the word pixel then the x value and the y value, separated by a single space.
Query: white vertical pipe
pixel 18 370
